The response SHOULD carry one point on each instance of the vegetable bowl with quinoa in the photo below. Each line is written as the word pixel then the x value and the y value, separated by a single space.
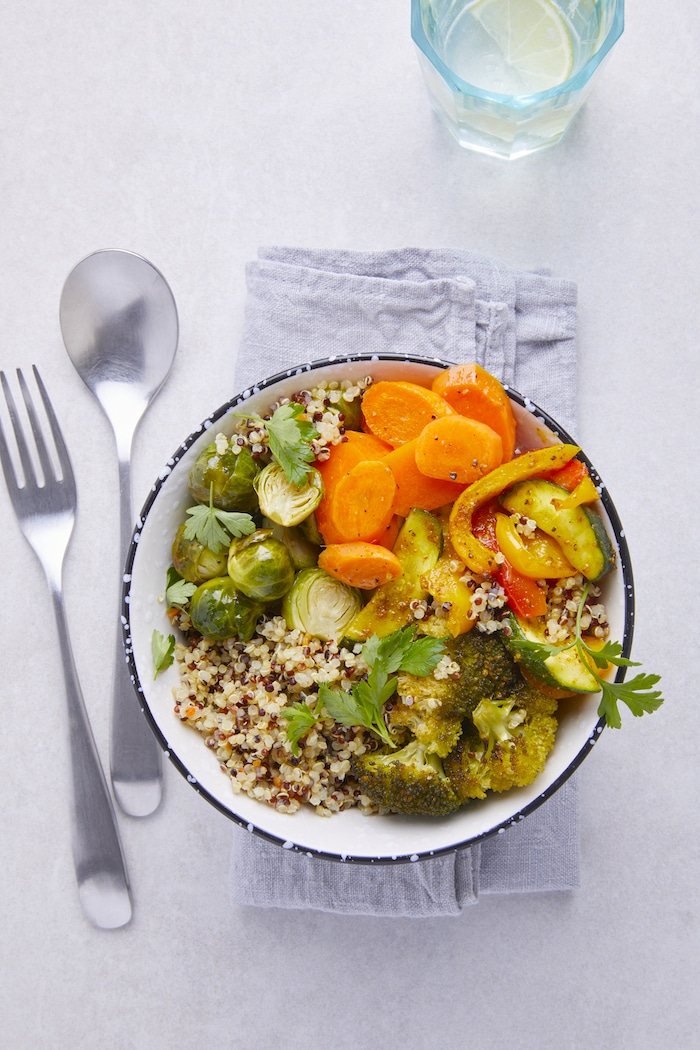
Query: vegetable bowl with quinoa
pixel 380 608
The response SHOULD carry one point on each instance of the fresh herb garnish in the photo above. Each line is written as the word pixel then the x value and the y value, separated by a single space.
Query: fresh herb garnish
pixel 290 438
pixel 178 591
pixel 300 719
pixel 402 651
pixel 637 694
pixel 215 528
pixel 363 705
pixel 163 648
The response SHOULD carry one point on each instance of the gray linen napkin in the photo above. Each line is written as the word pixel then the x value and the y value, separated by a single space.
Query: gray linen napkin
pixel 304 304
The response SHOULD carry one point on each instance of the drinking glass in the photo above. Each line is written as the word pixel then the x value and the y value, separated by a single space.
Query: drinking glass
pixel 508 76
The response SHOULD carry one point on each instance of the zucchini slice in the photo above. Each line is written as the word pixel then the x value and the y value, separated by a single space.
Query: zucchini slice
pixel 418 547
pixel 578 530
pixel 563 669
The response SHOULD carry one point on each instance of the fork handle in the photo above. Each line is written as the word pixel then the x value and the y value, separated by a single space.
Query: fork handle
pixel 103 883
pixel 135 759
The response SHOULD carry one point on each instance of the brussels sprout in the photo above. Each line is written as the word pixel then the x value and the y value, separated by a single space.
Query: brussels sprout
pixel 195 562
pixel 302 551
pixel 260 566
pixel 218 610
pixel 281 500
pixel 352 413
pixel 320 605
pixel 309 528
pixel 228 475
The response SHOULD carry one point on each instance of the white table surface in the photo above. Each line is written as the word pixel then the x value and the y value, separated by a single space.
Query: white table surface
pixel 192 134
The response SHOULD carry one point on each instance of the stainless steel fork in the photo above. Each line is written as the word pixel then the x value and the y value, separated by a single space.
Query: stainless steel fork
pixel 45 508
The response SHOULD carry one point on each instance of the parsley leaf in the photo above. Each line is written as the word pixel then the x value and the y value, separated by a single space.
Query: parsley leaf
pixel 340 705
pixel 401 651
pixel 423 656
pixel 300 719
pixel 520 644
pixel 609 654
pixel 637 694
pixel 214 528
pixel 163 649
pixel 364 704
pixel 290 438
pixel 178 591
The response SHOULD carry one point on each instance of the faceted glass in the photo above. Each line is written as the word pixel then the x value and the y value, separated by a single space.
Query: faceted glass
pixel 508 76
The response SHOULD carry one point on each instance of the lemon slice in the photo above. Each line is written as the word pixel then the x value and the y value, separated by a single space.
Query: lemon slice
pixel 531 42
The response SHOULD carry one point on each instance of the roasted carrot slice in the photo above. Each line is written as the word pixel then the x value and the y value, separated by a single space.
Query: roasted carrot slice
pixel 415 489
pixel 323 520
pixel 359 564
pixel 396 411
pixel 357 447
pixel 456 448
pixel 474 392
pixel 343 457
pixel 362 503
pixel 386 537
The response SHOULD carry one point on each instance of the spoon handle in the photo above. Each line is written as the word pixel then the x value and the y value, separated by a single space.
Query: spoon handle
pixel 135 757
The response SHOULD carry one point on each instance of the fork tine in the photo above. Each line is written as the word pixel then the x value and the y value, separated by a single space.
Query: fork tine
pixel 7 466
pixel 27 465
pixel 63 455
pixel 39 440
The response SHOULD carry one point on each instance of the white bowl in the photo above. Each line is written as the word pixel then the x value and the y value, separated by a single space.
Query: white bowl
pixel 347 836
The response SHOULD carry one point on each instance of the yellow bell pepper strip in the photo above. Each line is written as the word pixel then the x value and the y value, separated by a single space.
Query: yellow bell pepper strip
pixel 445 585
pixel 585 492
pixel 477 558
pixel 524 595
pixel 538 556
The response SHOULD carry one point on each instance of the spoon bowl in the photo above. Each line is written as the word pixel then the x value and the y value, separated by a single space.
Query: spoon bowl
pixel 120 327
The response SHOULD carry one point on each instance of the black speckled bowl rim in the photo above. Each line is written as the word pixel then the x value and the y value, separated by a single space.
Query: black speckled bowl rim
pixel 369 359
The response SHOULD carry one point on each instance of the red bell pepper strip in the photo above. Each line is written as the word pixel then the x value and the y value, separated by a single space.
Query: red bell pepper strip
pixel 569 475
pixel 524 597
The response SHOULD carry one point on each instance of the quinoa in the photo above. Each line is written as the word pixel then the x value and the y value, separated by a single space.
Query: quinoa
pixel 489 608
pixel 234 693
pixel 563 600
pixel 325 405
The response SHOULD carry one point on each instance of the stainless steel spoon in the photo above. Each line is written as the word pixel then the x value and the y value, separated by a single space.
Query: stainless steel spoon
pixel 120 327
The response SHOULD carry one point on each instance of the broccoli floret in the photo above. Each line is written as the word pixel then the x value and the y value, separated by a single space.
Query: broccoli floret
pixel 487 669
pixel 505 747
pixel 431 709
pixel 411 780
pixel 496 721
